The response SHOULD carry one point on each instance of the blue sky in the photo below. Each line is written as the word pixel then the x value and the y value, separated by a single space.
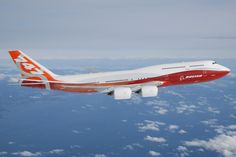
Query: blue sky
pixel 119 29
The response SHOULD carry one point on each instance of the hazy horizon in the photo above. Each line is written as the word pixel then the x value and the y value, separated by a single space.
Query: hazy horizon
pixel 119 29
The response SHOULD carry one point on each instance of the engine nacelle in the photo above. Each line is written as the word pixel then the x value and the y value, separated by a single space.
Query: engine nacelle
pixel 149 91
pixel 122 93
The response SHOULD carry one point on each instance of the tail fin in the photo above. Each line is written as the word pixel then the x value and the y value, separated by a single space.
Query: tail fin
pixel 30 69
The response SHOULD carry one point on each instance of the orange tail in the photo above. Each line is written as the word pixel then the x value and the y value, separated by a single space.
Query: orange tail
pixel 31 70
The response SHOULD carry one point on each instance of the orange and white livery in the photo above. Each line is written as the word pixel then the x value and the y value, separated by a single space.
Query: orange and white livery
pixel 120 84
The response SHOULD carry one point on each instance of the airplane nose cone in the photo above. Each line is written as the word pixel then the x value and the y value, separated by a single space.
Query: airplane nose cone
pixel 226 70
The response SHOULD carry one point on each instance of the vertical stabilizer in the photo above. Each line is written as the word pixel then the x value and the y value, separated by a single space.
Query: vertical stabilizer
pixel 30 69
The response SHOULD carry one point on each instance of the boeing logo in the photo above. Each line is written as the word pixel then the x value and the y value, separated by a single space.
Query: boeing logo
pixel 192 76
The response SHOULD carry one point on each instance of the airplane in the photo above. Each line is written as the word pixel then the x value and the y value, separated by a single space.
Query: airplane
pixel 145 81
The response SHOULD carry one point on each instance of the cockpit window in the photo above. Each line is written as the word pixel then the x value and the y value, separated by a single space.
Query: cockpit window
pixel 214 62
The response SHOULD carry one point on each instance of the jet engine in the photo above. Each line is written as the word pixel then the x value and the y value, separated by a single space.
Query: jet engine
pixel 149 91
pixel 122 93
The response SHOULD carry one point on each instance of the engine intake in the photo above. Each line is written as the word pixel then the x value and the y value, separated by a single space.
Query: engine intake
pixel 149 91
pixel 121 93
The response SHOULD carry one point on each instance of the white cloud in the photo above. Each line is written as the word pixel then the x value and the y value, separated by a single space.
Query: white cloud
pixel 3 153
pixel 183 151
pixel 35 97
pixel 13 79
pixel 155 139
pixel 182 131
pixel 11 142
pixel 232 127
pixel 129 146
pixel 161 110
pixel 229 98
pixel 185 108
pixel 202 101
pixel 56 151
pixel 157 103
pixel 210 122
pixel 9 78
pixel 175 93
pixel 99 155
pixel 173 127
pixel 159 106
pixel 224 144
pixel 135 99
pixel 213 110
pixel 26 153
pixel 149 125
pixel 2 76
pixel 75 131
pixel 220 129
pixel 232 116
pixel 75 146
pixel 182 148
pixel 154 153
pixel 132 146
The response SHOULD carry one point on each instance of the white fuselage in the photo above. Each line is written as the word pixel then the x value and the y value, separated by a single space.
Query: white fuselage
pixel 142 73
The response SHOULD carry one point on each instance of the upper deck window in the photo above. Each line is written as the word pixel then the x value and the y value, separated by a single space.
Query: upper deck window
pixel 173 67
pixel 198 65
pixel 117 80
